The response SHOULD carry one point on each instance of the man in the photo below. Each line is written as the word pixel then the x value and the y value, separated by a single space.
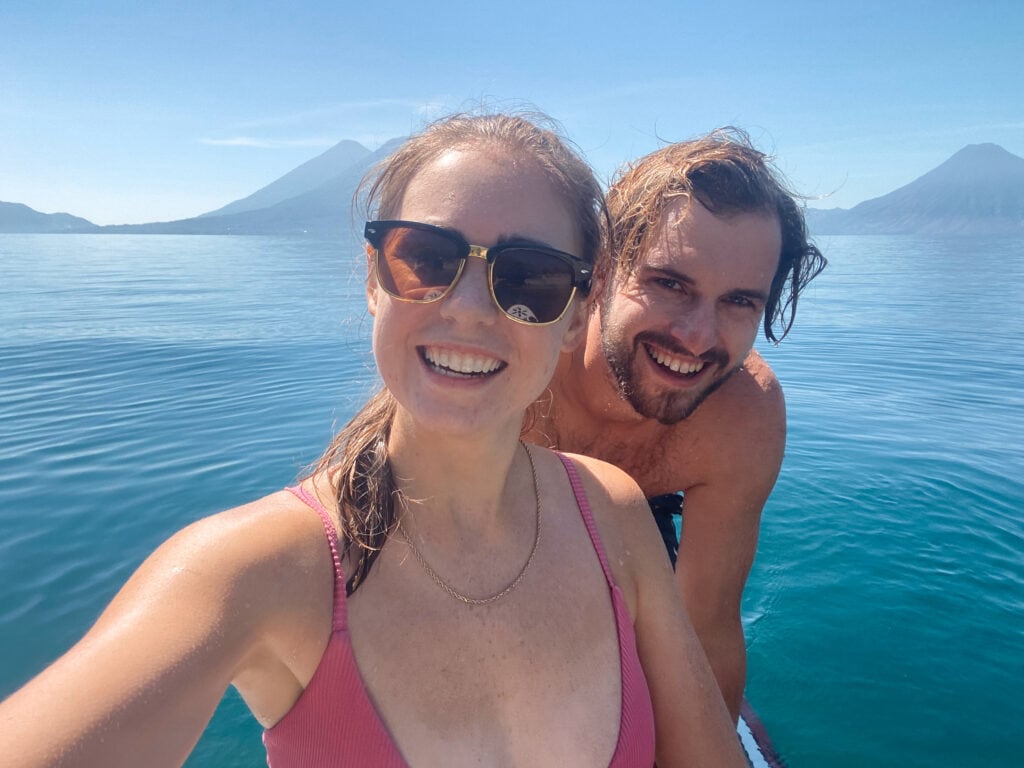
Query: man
pixel 705 244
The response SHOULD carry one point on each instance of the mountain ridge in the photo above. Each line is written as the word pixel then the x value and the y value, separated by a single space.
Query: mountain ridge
pixel 319 212
pixel 19 219
pixel 978 190
pixel 311 174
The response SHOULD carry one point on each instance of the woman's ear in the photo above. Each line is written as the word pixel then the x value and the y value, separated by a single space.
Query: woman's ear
pixel 577 329
pixel 371 281
pixel 599 282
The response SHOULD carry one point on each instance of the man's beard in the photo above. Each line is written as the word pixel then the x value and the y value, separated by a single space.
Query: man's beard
pixel 668 406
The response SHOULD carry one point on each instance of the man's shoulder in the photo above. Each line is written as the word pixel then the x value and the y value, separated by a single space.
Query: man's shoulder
pixel 753 391
pixel 746 416
pixel 743 424
pixel 750 402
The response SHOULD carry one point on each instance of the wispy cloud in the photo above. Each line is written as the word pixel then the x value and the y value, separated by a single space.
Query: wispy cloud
pixel 249 141
pixel 371 122
pixel 347 110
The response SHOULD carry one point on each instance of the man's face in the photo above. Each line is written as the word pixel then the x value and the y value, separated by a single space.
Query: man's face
pixel 686 319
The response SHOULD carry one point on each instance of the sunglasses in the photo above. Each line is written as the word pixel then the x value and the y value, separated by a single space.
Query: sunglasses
pixel 420 263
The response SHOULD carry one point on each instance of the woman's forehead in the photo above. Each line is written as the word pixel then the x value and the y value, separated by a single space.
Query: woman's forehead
pixel 489 194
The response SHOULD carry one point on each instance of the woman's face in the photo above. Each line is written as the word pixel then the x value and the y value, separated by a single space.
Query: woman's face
pixel 459 364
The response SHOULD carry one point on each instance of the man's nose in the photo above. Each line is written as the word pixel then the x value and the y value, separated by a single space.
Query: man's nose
pixel 696 327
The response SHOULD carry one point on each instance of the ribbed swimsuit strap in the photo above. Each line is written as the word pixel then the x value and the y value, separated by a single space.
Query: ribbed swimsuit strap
pixel 340 603
pixel 588 517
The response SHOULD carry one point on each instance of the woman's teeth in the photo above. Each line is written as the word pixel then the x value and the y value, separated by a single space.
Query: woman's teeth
pixel 457 362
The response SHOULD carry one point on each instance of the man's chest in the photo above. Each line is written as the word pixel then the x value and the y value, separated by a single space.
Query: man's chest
pixel 661 461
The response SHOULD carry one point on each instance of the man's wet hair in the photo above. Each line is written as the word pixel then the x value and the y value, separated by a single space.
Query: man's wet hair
pixel 728 176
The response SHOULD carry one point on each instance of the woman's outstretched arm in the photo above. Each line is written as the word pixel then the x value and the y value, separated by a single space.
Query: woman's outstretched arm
pixel 142 684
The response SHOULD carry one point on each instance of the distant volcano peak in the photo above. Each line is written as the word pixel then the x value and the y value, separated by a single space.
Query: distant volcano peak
pixel 979 190
pixel 983 161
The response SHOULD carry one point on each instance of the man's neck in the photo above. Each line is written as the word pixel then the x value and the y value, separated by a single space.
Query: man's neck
pixel 583 409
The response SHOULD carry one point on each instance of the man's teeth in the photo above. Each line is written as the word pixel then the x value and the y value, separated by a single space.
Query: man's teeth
pixel 674 363
pixel 455 361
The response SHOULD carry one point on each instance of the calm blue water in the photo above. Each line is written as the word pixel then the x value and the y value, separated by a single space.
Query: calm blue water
pixel 148 381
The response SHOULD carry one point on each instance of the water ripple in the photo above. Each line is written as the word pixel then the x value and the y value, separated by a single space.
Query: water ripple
pixel 148 381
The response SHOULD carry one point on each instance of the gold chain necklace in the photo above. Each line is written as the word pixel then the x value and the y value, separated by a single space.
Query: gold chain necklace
pixel 513 584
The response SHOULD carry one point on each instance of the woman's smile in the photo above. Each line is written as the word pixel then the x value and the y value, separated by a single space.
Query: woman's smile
pixel 450 362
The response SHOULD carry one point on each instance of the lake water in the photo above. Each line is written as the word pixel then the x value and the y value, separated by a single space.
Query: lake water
pixel 147 381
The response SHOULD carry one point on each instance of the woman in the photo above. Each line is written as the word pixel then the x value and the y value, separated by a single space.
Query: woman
pixel 460 614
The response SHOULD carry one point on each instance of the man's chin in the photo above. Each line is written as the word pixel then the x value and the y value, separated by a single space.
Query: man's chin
pixel 667 410
pixel 672 407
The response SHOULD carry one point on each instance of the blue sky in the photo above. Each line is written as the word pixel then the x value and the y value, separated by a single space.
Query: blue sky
pixel 127 112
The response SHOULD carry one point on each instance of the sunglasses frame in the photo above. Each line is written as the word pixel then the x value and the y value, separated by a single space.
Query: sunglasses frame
pixel 582 271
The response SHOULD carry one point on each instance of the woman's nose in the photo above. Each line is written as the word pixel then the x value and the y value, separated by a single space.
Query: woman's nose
pixel 470 298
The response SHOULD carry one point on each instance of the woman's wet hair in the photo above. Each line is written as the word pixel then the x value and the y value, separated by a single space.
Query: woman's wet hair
pixel 357 458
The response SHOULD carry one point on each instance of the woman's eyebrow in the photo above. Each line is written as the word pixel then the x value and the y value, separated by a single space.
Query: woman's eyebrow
pixel 512 237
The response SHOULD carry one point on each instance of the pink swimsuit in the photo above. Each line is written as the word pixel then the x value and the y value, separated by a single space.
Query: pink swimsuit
pixel 333 724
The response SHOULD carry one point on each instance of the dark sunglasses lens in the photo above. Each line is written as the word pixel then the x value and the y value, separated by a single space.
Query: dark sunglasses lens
pixel 532 286
pixel 416 264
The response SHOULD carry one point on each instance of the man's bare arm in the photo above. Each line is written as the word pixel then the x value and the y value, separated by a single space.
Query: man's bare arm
pixel 721 520
pixel 715 554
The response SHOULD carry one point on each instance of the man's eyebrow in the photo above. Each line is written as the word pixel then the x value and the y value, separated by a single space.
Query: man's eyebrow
pixel 669 272
pixel 750 293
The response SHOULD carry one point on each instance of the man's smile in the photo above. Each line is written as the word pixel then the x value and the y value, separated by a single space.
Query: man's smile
pixel 672 362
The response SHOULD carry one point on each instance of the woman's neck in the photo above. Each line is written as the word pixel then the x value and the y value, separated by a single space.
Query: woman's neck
pixel 463 481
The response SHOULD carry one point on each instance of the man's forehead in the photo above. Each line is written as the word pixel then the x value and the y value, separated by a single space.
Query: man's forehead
pixel 682 212
pixel 685 224
pixel 677 211
pixel 668 238
pixel 747 245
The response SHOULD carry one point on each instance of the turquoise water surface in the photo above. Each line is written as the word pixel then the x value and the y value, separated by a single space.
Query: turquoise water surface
pixel 147 381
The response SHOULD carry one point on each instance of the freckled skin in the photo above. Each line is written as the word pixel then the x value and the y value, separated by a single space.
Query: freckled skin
pixel 480 196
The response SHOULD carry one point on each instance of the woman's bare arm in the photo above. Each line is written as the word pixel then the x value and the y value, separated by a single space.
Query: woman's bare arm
pixel 142 684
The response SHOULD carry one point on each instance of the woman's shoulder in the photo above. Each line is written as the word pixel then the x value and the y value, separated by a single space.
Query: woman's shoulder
pixel 608 488
pixel 623 519
pixel 259 555
pixel 259 528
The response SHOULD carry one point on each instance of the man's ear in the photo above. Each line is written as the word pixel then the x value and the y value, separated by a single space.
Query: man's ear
pixel 371 281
